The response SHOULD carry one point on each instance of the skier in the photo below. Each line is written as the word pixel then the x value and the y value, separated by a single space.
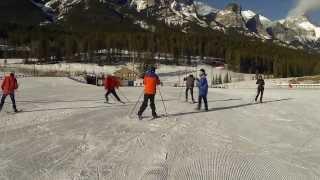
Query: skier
pixel 150 81
pixel 110 84
pixel 189 86
pixel 260 89
pixel 9 85
pixel 203 89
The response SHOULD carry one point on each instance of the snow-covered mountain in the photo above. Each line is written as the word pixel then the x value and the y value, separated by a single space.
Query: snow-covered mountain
pixel 188 14
pixel 303 27
pixel 204 9
pixel 48 11
pixel 61 6
pixel 248 14
pixel 231 17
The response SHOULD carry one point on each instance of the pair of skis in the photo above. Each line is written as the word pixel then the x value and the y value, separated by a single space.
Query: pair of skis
pixel 14 112
pixel 152 118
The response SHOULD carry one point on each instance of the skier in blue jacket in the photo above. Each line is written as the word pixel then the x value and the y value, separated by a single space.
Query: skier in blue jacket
pixel 203 89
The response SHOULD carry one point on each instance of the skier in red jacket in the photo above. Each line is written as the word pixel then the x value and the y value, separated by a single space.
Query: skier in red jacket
pixel 110 84
pixel 9 85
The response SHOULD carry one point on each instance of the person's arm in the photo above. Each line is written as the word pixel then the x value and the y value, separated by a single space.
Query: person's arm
pixel 3 83
pixel 201 83
pixel 158 80
pixel 205 84
pixel 16 84
pixel 263 83
pixel 106 85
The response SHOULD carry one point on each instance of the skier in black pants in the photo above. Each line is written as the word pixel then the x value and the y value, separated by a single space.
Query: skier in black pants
pixel 260 89
pixel 189 86
pixel 150 81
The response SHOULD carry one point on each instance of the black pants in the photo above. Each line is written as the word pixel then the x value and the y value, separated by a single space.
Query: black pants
pixel 260 92
pixel 145 104
pixel 113 92
pixel 191 92
pixel 3 99
pixel 204 100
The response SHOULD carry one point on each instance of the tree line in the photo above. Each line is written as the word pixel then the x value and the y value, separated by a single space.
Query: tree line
pixel 241 53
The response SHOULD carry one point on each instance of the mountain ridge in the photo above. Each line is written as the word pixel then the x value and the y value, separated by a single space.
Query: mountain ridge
pixel 296 32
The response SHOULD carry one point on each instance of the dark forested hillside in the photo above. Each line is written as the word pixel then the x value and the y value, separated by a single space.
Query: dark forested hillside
pixel 95 29
pixel 21 12
pixel 241 53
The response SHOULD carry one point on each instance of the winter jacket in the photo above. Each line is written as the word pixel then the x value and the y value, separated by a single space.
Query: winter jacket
pixel 189 81
pixel 150 81
pixel 203 86
pixel 9 85
pixel 111 82
pixel 260 83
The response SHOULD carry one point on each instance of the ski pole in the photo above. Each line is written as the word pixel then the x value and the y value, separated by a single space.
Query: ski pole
pixel 135 106
pixel 164 105
pixel 122 94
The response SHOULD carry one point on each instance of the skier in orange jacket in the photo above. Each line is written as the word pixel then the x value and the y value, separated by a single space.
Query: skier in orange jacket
pixel 151 80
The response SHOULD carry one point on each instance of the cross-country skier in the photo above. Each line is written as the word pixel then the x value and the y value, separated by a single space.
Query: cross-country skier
pixel 150 81
pixel 203 89
pixel 260 82
pixel 189 86
pixel 110 84
pixel 9 85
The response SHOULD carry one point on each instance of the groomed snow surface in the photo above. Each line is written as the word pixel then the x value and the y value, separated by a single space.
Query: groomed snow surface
pixel 66 131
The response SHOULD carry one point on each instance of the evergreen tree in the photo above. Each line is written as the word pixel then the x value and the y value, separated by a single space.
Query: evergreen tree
pixel 213 82
pixel 226 78
pixel 220 79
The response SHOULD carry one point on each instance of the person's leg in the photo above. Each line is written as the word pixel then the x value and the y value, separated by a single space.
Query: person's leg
pixel 3 98
pixel 13 102
pixel 144 105
pixel 261 96
pixel 199 102
pixel 205 103
pixel 187 89
pixel 191 90
pixel 258 93
pixel 114 93
pixel 153 106
pixel 107 94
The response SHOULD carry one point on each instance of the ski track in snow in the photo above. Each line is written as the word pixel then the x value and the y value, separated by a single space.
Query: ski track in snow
pixel 66 131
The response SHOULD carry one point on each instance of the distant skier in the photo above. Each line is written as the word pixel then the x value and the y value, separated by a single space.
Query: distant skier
pixel 9 85
pixel 150 81
pixel 189 86
pixel 110 84
pixel 260 82
pixel 203 89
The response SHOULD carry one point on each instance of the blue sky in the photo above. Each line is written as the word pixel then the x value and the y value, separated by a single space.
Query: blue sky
pixel 273 9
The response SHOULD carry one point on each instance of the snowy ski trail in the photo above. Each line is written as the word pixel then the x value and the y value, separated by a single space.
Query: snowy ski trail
pixel 66 131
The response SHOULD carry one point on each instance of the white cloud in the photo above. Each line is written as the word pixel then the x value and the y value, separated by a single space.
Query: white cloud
pixel 304 7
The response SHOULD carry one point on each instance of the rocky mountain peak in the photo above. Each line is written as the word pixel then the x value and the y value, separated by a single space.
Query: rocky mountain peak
pixel 234 7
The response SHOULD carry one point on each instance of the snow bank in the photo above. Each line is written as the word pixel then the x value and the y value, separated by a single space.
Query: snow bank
pixel 11 61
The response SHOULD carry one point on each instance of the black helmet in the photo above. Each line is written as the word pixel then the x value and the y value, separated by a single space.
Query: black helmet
pixel 152 69
pixel 203 71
